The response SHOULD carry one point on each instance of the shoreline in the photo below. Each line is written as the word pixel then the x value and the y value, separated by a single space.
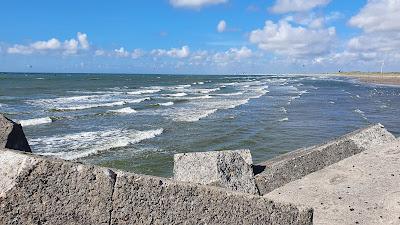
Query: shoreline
pixel 374 78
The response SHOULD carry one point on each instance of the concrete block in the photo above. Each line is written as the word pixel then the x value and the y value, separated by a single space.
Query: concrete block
pixel 297 164
pixel 140 199
pixel 12 136
pixel 38 190
pixel 229 169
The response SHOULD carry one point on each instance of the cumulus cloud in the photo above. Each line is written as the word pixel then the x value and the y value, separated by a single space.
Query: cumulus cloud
pixel 286 6
pixel 285 39
pixel 380 40
pixel 221 27
pixel 121 52
pixel 232 55
pixel 378 15
pixel 195 4
pixel 173 52
pixel 67 47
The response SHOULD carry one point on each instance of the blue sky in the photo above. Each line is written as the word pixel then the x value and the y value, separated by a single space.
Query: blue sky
pixel 199 36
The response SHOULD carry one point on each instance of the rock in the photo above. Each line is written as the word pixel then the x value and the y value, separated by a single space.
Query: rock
pixel 297 164
pixel 12 136
pixel 38 190
pixel 140 199
pixel 229 169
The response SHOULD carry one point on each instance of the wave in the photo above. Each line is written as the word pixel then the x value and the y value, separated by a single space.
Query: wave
pixel 84 144
pixel 231 94
pixel 89 106
pixel 127 110
pixel 206 91
pixel 139 100
pixel 283 120
pixel 181 94
pixel 36 121
pixel 140 92
pixel 189 115
pixel 183 86
pixel 166 103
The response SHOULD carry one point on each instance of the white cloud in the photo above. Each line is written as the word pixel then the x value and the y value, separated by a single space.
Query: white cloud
pixel 380 40
pixel 221 27
pixel 47 45
pixel 378 15
pixel 20 49
pixel 231 56
pixel 121 52
pixel 296 41
pixel 83 41
pixel 286 6
pixel 67 47
pixel 137 53
pixel 99 52
pixel 173 52
pixel 70 46
pixel 195 4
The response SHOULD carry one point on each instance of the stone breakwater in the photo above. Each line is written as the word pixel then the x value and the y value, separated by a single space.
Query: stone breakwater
pixel 208 187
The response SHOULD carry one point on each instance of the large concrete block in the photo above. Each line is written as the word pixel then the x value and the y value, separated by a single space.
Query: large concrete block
pixel 229 169
pixel 38 190
pixel 12 136
pixel 297 164
pixel 140 199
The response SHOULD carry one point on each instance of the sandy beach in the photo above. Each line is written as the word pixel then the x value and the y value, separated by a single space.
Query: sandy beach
pixel 376 78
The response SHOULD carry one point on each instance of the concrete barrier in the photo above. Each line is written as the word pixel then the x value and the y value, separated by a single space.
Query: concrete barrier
pixel 12 136
pixel 151 200
pixel 295 165
pixel 41 190
pixel 229 169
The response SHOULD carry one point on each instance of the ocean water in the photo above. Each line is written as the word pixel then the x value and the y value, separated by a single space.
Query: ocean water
pixel 138 122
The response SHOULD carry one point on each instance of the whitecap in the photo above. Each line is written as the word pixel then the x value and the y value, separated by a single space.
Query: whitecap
pixel 166 103
pixel 181 94
pixel 283 120
pixel 35 121
pixel 84 144
pixel 89 106
pixel 127 110
pixel 140 92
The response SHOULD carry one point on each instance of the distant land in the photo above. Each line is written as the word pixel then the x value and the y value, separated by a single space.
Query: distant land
pixel 391 78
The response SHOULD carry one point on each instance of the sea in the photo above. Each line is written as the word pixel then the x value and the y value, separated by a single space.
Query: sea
pixel 137 122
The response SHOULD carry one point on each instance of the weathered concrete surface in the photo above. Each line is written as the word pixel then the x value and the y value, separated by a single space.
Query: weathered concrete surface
pixel 229 169
pixel 362 189
pixel 297 164
pixel 12 136
pixel 142 199
pixel 38 190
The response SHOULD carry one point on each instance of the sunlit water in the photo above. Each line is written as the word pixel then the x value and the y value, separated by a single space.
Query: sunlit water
pixel 138 122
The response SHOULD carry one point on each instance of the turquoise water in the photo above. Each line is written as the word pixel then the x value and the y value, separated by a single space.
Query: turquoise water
pixel 138 122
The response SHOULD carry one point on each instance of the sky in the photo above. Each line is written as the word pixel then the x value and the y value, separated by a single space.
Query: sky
pixel 199 36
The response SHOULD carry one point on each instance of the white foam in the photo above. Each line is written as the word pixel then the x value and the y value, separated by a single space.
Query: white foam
pixel 232 94
pixel 127 110
pixel 140 92
pixel 189 115
pixel 89 106
pixel 36 121
pixel 283 120
pixel 181 94
pixel 84 144
pixel 206 91
pixel 183 86
pixel 139 100
pixel 166 104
